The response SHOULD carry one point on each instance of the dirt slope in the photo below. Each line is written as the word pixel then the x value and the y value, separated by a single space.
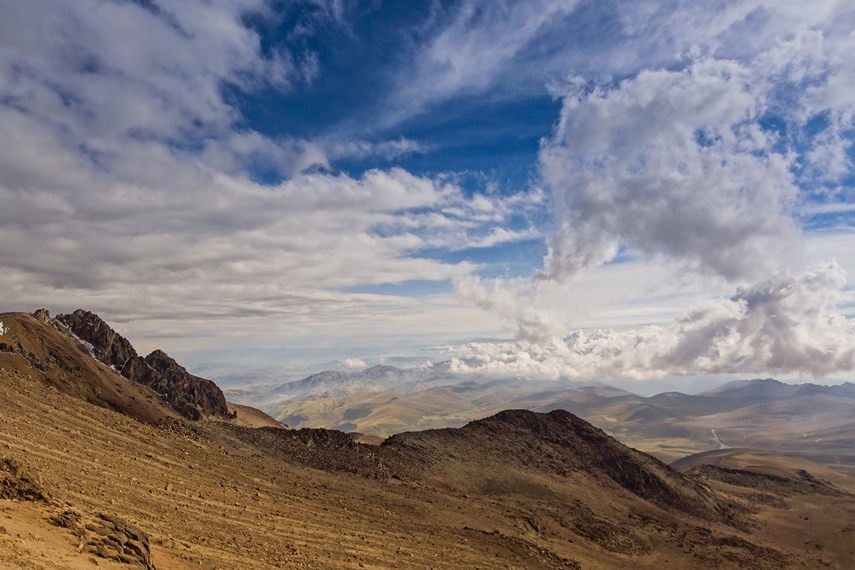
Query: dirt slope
pixel 516 490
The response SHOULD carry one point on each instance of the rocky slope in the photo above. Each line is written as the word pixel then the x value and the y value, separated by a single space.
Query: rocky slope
pixel 191 396
pixel 31 347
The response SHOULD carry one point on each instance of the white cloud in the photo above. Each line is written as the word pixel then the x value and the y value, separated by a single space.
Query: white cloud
pixel 123 179
pixel 671 163
pixel 678 167
pixel 784 324
pixel 387 150
pixel 476 44
pixel 354 363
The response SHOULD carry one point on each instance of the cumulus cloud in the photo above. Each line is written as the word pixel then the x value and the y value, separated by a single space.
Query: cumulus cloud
pixel 783 324
pixel 354 363
pixel 705 167
pixel 671 163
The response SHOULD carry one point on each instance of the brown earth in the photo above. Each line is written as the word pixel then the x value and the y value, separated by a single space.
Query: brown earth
pixel 209 499
pixel 37 350
pixel 246 416
pixel 516 490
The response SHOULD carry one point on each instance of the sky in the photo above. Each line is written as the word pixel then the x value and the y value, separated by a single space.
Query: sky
pixel 578 189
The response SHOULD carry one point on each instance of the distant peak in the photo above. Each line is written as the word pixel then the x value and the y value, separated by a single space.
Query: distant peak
pixel 381 368
pixel 43 316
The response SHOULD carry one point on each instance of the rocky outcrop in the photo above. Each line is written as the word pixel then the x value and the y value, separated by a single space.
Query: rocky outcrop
pixel 19 482
pixel 191 396
pixel 112 538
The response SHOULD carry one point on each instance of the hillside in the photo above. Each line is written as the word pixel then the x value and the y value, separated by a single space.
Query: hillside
pixel 32 347
pixel 209 499
pixel 517 489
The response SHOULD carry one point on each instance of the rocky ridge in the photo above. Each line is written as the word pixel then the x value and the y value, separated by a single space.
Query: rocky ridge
pixel 191 396
pixel 559 444
pixel 40 348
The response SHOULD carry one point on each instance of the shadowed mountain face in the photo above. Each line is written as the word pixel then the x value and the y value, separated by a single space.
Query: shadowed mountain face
pixel 558 444
pixel 189 395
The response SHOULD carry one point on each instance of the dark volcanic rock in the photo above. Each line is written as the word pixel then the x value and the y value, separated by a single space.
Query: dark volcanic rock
pixel 193 393
pixel 189 395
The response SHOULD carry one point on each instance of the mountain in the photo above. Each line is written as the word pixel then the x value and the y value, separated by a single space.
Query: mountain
pixel 31 346
pixel 556 444
pixel 92 485
pixel 372 378
pixel 191 396
pixel 770 389
pixel 813 421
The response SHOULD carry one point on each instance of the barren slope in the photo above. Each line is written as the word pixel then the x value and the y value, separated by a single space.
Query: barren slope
pixel 516 490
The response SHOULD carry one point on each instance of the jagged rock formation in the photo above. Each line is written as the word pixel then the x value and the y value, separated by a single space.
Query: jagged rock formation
pixel 40 348
pixel 189 395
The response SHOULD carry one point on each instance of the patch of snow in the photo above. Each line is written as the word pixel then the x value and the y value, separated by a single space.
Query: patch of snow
pixel 87 345
pixel 3 330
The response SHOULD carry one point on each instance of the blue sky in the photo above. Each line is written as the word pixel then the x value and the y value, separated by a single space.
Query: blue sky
pixel 554 188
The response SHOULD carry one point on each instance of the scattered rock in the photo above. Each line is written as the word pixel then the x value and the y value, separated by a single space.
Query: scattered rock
pixel 20 482
pixel 66 519
pixel 115 539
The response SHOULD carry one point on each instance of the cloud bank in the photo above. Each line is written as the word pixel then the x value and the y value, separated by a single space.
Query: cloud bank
pixel 128 186
pixel 784 324
pixel 703 168
pixel 698 138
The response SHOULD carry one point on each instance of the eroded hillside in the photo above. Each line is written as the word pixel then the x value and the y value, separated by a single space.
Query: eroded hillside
pixel 516 490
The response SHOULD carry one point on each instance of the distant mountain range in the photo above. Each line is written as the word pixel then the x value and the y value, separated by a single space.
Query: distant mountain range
pixel 808 419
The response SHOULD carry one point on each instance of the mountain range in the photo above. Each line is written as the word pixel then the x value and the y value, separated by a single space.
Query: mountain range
pixel 808 420
pixel 101 465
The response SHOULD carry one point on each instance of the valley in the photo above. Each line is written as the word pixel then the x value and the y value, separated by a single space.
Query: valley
pixel 517 489
pixel 808 420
